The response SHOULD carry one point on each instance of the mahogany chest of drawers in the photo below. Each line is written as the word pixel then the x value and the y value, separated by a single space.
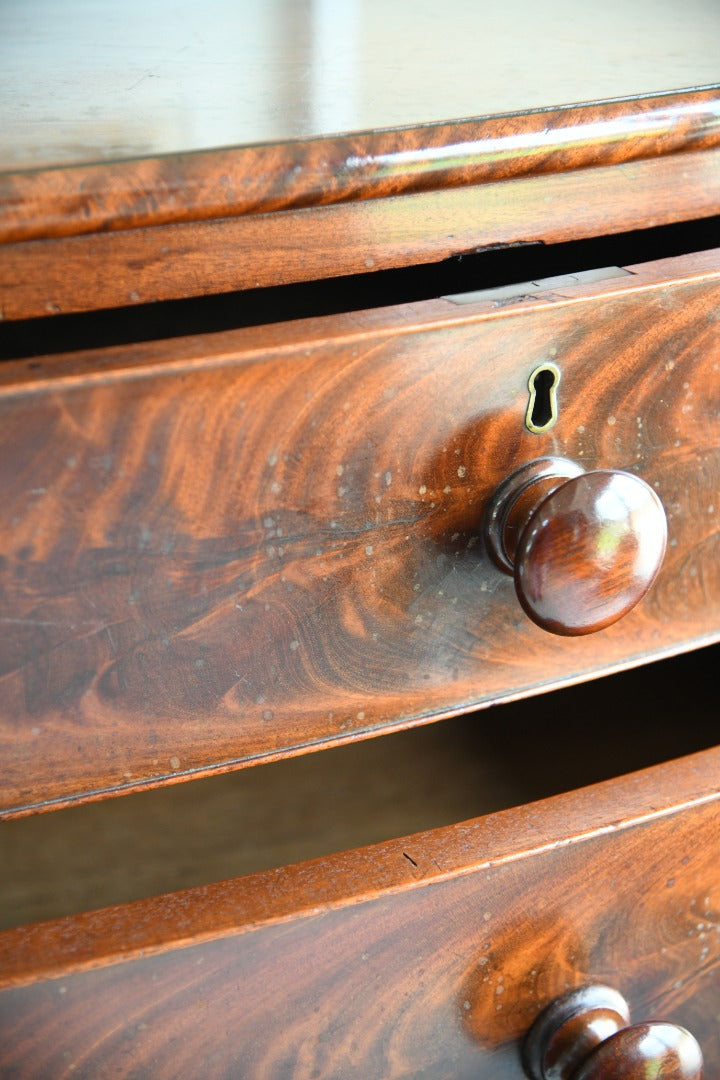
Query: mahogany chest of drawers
pixel 260 385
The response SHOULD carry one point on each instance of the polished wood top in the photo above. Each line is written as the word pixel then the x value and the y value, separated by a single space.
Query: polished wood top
pixel 84 82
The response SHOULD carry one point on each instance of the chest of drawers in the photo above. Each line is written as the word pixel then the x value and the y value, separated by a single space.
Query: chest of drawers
pixel 256 403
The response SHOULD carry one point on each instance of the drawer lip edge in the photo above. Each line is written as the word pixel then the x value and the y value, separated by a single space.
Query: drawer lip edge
pixel 173 356
pixel 532 690
pixel 45 277
pixel 98 939
pixel 91 197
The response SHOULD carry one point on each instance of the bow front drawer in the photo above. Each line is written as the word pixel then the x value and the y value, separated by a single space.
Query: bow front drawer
pixel 427 956
pixel 233 547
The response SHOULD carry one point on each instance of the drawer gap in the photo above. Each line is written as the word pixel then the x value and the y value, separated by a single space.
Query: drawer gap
pixel 177 837
pixel 497 268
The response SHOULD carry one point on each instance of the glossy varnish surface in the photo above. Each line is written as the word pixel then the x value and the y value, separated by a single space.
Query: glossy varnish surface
pixel 585 1034
pixel 292 175
pixel 590 552
pixel 198 258
pixel 173 77
pixel 429 957
pixel 230 548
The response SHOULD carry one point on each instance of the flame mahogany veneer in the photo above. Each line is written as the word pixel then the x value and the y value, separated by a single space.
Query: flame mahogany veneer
pixel 425 957
pixel 233 547
pixel 221 550
pixel 94 236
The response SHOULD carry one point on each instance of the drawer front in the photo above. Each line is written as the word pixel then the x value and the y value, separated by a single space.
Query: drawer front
pixel 426 957
pixel 219 550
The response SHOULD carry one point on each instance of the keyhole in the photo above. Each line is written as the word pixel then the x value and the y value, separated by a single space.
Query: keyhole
pixel 542 405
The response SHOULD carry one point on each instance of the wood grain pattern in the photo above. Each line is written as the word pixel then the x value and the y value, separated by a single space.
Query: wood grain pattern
pixel 225 549
pixel 370 964
pixel 181 836
pixel 82 273
pixel 317 172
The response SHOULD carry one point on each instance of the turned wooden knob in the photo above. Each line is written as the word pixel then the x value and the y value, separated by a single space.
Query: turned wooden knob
pixel 583 547
pixel 583 1035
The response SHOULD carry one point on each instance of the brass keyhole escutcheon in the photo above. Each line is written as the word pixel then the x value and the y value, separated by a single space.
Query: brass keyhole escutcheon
pixel 542 410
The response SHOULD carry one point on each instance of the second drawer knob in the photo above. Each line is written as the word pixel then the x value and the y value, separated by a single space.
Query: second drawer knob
pixel 583 1036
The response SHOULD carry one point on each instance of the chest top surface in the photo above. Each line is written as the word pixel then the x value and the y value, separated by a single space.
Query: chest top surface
pixel 84 81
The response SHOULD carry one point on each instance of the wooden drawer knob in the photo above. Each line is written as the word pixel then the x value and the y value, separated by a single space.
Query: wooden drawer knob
pixel 583 1036
pixel 583 547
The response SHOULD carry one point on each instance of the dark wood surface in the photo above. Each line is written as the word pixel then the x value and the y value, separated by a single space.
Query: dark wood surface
pixel 425 957
pixel 226 549
pixel 169 77
pixel 379 164
pixel 197 258
pixel 230 549
pixel 232 208
pixel 183 835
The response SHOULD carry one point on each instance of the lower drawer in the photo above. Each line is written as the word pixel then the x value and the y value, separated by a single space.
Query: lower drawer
pixel 428 956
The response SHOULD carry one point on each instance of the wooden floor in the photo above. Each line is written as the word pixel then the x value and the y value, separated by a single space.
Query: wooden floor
pixel 209 830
